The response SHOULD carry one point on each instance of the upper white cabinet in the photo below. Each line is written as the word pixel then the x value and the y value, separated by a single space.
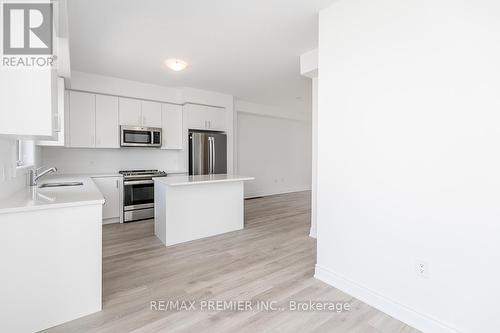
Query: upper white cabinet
pixel 130 112
pixel 81 119
pixel 110 187
pixel 93 121
pixel 151 114
pixel 29 95
pixel 205 117
pixel 134 112
pixel 28 103
pixel 172 126
pixel 216 118
pixel 107 124
pixel 61 118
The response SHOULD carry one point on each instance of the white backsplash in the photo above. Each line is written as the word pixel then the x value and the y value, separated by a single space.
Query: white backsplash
pixel 77 160
pixel 11 179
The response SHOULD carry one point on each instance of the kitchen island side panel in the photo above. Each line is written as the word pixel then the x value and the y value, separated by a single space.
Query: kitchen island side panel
pixel 199 210
pixel 160 212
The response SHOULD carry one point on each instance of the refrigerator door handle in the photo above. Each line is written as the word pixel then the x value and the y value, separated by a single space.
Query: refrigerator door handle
pixel 191 166
pixel 213 153
pixel 210 155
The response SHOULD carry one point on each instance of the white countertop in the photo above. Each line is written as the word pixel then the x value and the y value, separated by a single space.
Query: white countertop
pixel 200 179
pixel 34 198
pixel 91 175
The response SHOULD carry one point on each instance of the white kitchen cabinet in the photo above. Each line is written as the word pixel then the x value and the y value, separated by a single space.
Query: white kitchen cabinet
pixel 62 109
pixel 151 114
pixel 205 117
pixel 107 122
pixel 110 188
pixel 172 126
pixel 28 103
pixel 130 112
pixel 93 121
pixel 81 119
pixel 135 112
pixel 195 117
pixel 216 118
pixel 51 260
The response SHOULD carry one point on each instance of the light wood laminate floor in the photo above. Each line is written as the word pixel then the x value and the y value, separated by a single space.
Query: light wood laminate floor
pixel 271 259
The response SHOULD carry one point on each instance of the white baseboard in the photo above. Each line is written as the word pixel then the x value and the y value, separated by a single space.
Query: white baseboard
pixel 420 321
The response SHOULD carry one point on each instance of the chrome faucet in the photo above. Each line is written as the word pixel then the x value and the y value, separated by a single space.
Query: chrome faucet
pixel 34 175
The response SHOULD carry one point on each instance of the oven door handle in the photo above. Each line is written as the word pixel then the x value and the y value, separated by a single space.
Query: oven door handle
pixel 138 182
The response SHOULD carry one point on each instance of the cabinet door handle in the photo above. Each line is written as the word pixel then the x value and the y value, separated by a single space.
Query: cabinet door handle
pixel 58 123
pixel 117 184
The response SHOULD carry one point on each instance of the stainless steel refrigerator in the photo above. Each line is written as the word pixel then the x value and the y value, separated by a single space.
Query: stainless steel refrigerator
pixel 207 153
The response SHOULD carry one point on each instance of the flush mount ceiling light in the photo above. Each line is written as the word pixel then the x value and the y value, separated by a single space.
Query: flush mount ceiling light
pixel 176 64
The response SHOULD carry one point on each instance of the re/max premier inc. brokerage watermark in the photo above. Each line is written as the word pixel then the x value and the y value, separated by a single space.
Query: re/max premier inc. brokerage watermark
pixel 249 305
pixel 27 34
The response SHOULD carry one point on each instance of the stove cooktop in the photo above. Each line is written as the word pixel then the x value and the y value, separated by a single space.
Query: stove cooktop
pixel 154 173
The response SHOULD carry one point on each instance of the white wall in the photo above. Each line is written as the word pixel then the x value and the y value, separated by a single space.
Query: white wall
pixel 274 150
pixel 314 158
pixel 116 86
pixel 309 68
pixel 11 178
pixel 408 164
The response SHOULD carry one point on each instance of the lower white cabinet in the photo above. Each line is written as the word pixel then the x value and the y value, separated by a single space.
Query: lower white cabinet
pixel 51 266
pixel 111 189
pixel 171 126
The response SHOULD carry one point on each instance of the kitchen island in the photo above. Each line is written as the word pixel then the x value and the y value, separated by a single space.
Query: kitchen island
pixel 194 207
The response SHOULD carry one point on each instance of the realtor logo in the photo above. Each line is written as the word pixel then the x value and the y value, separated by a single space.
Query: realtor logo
pixel 27 28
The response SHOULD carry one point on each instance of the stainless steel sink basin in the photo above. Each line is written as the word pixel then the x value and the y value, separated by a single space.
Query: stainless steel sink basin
pixel 60 184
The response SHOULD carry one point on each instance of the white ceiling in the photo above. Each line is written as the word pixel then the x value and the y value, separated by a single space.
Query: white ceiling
pixel 247 48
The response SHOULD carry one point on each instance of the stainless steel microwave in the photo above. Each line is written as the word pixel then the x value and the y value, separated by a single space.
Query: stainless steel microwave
pixel 133 136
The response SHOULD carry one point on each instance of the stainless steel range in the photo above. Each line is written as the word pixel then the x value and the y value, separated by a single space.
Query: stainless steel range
pixel 139 194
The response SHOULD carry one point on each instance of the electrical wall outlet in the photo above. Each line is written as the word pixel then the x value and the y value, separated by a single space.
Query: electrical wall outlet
pixel 422 269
